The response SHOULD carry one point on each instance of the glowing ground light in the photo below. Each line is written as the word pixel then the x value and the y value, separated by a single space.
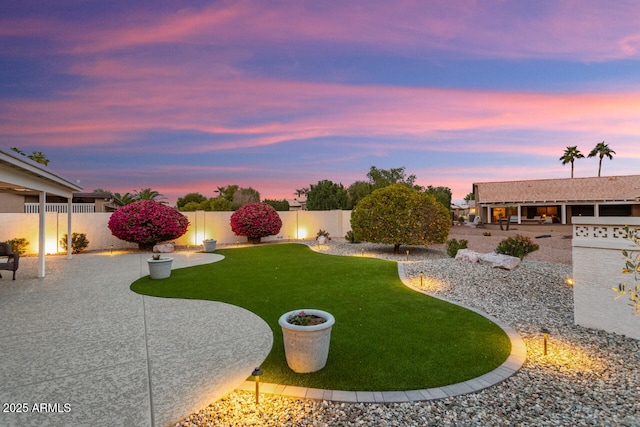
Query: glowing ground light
pixel 564 356
pixel 545 336
pixel 256 374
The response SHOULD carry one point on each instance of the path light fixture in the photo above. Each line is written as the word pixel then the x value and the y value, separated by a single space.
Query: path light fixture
pixel 256 374
pixel 407 255
pixel 362 252
pixel 569 281
pixel 111 249
pixel 545 334
pixel 421 279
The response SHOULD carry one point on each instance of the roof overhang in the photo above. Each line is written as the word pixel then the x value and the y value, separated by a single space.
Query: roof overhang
pixel 21 175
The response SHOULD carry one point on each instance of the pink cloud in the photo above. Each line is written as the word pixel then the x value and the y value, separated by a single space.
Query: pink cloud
pixel 584 31
pixel 260 112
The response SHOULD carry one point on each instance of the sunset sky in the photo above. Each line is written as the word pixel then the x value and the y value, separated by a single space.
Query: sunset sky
pixel 187 96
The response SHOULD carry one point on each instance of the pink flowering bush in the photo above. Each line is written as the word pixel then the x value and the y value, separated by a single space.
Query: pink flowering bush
pixel 255 220
pixel 147 223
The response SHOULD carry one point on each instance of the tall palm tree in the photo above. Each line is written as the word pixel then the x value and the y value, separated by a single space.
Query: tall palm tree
pixel 601 149
pixel 570 155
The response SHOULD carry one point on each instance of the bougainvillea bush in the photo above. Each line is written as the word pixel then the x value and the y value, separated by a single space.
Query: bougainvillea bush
pixel 399 215
pixel 255 220
pixel 147 223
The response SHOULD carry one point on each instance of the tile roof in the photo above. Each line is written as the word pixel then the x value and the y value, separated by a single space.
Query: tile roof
pixel 606 188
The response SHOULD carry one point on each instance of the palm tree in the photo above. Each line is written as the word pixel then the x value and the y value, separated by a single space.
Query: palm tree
pixel 301 191
pixel 570 155
pixel 148 194
pixel 36 156
pixel 125 198
pixel 601 149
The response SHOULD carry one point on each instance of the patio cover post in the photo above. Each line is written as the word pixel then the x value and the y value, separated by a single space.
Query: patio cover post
pixel 69 221
pixel 41 233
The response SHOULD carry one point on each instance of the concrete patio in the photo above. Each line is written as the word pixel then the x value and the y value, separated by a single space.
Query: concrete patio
pixel 79 348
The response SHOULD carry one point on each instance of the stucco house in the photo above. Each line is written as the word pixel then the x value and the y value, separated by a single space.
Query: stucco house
pixel 548 201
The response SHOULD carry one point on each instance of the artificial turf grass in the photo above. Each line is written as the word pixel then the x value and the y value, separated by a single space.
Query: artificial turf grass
pixel 386 336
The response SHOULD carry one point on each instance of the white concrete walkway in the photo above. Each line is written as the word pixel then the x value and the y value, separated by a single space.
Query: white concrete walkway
pixel 79 348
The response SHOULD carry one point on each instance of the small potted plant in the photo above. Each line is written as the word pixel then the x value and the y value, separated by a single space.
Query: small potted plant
pixel 159 268
pixel 209 245
pixel 322 237
pixel 307 334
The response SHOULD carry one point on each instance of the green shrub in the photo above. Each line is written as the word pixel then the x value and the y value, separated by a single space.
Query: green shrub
pixel 79 242
pixel 486 234
pixel 350 237
pixel 18 245
pixel 399 215
pixel 461 219
pixel 453 246
pixel 517 245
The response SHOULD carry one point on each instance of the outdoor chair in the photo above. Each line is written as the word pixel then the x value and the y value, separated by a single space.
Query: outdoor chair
pixel 12 259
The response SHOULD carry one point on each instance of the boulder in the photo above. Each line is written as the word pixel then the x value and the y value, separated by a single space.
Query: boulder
pixel 164 248
pixel 467 255
pixel 495 260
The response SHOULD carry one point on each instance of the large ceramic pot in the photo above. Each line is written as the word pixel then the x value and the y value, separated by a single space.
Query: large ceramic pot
pixel 209 245
pixel 306 347
pixel 159 268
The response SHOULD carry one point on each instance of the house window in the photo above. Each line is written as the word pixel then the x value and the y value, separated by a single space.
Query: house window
pixel 615 210
pixel 581 210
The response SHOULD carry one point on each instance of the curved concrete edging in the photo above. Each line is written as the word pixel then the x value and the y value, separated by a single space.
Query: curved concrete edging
pixel 509 367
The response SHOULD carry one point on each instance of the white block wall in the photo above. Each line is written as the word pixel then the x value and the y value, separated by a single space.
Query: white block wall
pixel 597 268
pixel 296 225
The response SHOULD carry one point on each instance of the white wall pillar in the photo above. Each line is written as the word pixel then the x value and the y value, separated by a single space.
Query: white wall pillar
pixel 597 268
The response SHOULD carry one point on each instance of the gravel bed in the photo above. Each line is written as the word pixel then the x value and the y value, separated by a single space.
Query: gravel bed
pixel 588 378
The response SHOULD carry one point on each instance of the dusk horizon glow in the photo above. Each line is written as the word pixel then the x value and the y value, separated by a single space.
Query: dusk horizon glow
pixel 186 97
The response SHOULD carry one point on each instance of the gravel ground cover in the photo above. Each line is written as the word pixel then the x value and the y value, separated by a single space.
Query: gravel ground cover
pixel 587 378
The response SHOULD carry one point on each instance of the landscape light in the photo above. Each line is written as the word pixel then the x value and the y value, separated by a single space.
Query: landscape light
pixel 111 249
pixel 569 281
pixel 545 334
pixel 256 373
pixel 407 255
pixel 421 279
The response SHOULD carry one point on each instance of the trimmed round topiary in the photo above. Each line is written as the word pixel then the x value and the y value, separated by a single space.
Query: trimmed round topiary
pixel 255 220
pixel 147 223
pixel 399 215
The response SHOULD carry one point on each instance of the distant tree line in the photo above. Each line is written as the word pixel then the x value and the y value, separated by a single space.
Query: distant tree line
pixel 327 195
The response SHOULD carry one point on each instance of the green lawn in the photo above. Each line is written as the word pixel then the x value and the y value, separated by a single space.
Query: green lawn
pixel 386 336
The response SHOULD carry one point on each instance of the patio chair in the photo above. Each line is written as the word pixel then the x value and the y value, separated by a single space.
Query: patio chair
pixel 12 260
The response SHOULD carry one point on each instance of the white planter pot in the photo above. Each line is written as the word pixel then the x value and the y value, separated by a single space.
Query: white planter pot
pixel 306 347
pixel 322 240
pixel 209 245
pixel 159 268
